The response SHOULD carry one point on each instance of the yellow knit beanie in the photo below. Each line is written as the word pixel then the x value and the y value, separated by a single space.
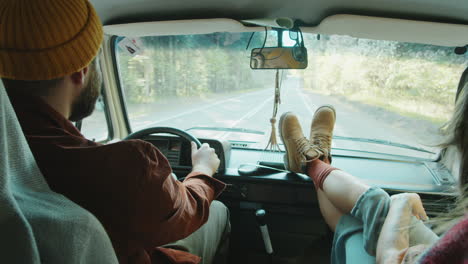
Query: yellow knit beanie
pixel 47 39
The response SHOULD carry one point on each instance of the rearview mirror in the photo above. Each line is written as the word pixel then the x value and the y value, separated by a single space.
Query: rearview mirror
pixel 279 58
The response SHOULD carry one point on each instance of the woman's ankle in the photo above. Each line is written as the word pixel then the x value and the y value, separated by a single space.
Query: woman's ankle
pixel 319 170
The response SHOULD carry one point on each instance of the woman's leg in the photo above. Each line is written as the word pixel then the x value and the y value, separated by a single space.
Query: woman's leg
pixel 337 194
pixel 340 195
pixel 336 190
pixel 364 208
pixel 330 213
pixel 343 190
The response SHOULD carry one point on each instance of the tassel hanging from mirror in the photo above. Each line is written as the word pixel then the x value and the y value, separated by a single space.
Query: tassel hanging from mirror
pixel 273 142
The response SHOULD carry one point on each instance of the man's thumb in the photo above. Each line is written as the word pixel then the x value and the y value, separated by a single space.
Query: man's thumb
pixel 194 146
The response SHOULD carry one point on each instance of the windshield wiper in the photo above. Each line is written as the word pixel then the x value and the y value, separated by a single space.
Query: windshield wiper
pixel 230 129
pixel 384 142
pixel 366 140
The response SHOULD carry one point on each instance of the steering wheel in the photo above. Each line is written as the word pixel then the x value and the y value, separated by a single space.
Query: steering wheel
pixel 168 130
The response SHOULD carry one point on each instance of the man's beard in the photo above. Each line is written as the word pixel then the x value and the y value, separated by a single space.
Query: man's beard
pixel 86 101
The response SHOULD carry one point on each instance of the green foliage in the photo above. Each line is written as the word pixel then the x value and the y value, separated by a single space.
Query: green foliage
pixel 405 77
pixel 187 66
pixel 409 78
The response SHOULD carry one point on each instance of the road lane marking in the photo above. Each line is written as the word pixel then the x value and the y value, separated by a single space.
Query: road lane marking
pixel 247 115
pixel 301 95
pixel 146 124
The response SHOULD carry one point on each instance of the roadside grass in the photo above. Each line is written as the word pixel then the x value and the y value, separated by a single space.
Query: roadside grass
pixel 434 113
pixel 417 88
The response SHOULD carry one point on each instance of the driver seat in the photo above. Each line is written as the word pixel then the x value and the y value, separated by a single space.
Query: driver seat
pixel 36 224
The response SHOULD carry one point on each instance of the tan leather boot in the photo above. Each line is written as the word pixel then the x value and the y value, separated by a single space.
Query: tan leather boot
pixel 299 150
pixel 321 130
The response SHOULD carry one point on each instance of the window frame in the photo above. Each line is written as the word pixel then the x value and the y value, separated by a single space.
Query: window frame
pixel 110 127
pixel 123 103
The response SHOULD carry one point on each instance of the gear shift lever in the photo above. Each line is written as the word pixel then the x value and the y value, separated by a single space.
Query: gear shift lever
pixel 261 220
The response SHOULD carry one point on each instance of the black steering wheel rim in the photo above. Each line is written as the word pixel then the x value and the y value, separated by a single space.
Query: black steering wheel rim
pixel 167 130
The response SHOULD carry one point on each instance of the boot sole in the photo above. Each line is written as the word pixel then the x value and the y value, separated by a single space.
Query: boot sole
pixel 329 106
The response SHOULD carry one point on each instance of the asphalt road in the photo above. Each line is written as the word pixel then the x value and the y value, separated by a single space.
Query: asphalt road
pixel 253 110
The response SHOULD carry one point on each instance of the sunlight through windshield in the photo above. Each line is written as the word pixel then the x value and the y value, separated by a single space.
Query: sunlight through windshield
pixel 384 92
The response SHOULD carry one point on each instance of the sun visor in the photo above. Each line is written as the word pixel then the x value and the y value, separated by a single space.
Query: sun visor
pixel 379 28
pixel 281 22
pixel 178 27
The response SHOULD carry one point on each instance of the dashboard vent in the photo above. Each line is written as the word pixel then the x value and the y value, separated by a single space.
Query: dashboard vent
pixel 239 145
pixel 435 206
pixel 173 157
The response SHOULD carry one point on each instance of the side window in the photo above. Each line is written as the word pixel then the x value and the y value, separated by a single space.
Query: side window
pixel 96 126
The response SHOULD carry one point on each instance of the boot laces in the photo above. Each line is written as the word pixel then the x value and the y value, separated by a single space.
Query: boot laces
pixel 304 146
pixel 322 143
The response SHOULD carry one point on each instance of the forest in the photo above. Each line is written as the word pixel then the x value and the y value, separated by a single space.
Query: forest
pixel 404 77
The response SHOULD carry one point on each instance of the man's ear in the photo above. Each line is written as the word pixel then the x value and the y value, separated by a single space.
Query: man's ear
pixel 78 78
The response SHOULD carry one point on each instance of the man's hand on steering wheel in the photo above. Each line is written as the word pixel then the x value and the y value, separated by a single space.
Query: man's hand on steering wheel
pixel 204 159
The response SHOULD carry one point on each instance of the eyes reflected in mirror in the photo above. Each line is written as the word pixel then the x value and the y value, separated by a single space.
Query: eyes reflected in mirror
pixel 279 58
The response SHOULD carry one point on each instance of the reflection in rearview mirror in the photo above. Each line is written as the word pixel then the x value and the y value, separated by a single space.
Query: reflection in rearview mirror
pixel 279 58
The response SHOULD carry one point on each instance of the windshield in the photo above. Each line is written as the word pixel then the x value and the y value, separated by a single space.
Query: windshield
pixel 391 93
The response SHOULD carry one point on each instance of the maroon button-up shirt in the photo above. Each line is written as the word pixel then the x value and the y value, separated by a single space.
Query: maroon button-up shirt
pixel 126 185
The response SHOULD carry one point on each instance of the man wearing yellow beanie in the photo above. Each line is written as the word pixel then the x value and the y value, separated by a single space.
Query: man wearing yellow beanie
pixel 49 65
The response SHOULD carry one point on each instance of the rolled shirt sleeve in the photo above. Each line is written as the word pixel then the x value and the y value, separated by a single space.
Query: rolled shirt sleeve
pixel 167 210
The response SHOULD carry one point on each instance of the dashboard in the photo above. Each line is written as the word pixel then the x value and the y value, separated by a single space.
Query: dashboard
pixel 393 173
pixel 294 217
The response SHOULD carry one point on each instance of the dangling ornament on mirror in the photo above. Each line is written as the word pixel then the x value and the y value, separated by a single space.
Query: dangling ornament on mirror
pixel 273 142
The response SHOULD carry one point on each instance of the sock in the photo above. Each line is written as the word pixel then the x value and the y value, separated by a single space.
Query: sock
pixel 319 170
